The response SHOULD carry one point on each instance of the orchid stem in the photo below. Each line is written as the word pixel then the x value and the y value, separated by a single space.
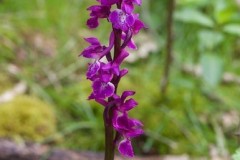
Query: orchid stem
pixel 108 113
pixel 109 134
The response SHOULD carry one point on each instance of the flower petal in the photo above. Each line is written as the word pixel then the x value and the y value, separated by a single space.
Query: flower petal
pixel 138 25
pixel 138 2
pixel 92 22
pixel 121 57
pixel 125 148
pixel 129 104
pixel 108 2
pixel 102 89
pixel 123 72
pixel 93 69
pixel 127 6
pixel 92 41
pixel 100 11
pixel 125 94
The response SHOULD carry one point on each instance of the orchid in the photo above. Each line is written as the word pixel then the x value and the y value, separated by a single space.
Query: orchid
pixel 106 75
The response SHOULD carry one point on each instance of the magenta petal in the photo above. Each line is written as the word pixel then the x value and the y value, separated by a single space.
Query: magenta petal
pixel 102 89
pixel 92 41
pixel 100 11
pixel 130 20
pixel 137 26
pixel 113 17
pixel 92 22
pixel 93 69
pixel 92 52
pixel 116 70
pixel 127 7
pixel 125 94
pixel 106 67
pixel 91 96
pixel 102 102
pixel 135 133
pixel 111 43
pixel 137 122
pixel 106 77
pixel 109 90
pixel 125 148
pixel 122 122
pixel 129 104
pixel 128 39
pixel 123 72
pixel 109 2
pixel 135 128
pixel 138 2
pixel 131 44
pixel 121 57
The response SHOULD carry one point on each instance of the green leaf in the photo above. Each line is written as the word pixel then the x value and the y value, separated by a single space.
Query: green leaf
pixel 224 11
pixel 193 16
pixel 212 67
pixel 193 3
pixel 232 29
pixel 236 155
pixel 209 39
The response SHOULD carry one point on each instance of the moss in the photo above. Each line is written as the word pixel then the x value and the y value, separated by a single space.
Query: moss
pixel 26 117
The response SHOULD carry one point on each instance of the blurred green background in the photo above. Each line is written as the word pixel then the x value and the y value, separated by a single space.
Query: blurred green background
pixel 40 41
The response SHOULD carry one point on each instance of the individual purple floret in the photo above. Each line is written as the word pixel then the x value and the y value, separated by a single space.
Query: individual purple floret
pixel 97 11
pixel 121 20
pixel 105 72
pixel 96 50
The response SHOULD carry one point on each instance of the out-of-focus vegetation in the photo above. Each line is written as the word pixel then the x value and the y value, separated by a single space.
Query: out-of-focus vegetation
pixel 26 117
pixel 42 39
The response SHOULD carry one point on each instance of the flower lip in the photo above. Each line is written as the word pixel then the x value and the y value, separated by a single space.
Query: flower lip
pixel 125 148
pixel 102 89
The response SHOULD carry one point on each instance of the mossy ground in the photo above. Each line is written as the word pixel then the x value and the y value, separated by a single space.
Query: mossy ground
pixel 28 118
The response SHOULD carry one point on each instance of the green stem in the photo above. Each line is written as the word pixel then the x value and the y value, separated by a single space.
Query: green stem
pixel 109 134
pixel 169 47
pixel 108 112
pixel 117 42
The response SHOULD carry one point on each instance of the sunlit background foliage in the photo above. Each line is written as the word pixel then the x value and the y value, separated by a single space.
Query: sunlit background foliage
pixel 40 41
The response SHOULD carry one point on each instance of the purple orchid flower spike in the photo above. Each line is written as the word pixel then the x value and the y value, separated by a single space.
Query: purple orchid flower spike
pixel 106 75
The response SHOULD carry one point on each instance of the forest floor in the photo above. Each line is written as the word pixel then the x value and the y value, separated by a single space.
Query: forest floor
pixel 10 150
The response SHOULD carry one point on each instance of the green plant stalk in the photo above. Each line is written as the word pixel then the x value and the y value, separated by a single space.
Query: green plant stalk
pixel 169 47
pixel 108 112
pixel 109 134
